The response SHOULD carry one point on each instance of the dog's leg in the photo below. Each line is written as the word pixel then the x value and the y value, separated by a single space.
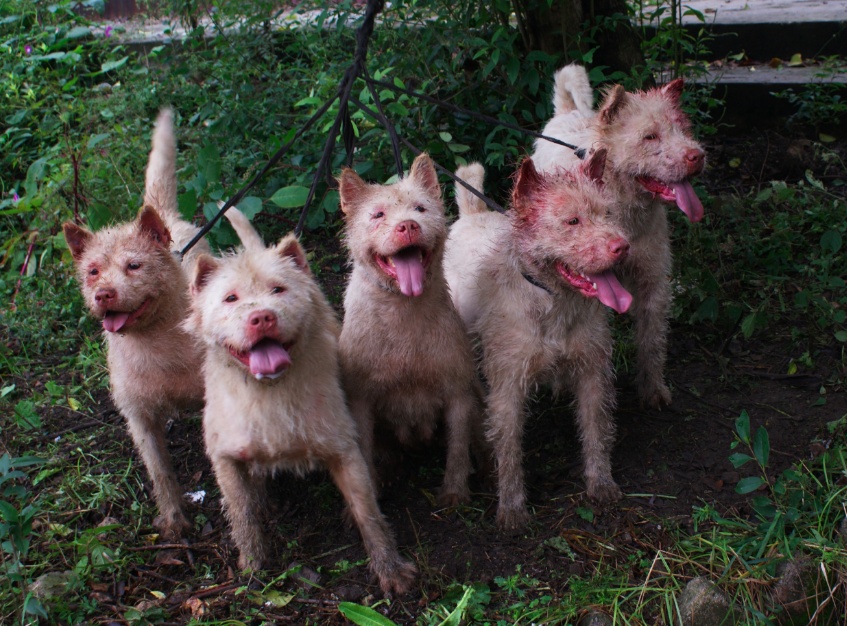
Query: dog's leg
pixel 591 374
pixel 362 412
pixel 147 428
pixel 651 307
pixel 243 495
pixel 350 473
pixel 459 415
pixel 505 432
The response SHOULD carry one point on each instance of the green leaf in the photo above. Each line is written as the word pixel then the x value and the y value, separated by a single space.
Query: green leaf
pixel 364 616
pixel 290 197
pixel 742 427
pixel 455 617
pixel 187 203
pixel 762 446
pixel 841 336
pixel 93 141
pixel 751 483
pixel 251 206
pixel 738 459
pixel 209 163
pixel 108 66
pixel 831 241
pixel 79 31
pixel 8 512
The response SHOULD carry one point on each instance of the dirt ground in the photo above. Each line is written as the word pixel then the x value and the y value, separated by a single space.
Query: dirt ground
pixel 666 463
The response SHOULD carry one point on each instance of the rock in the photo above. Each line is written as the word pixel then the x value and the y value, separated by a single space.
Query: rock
pixel 53 584
pixel 702 603
pixel 794 597
pixel 595 618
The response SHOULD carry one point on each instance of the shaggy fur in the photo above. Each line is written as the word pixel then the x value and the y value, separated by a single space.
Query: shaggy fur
pixel 405 356
pixel 651 157
pixel 273 396
pixel 530 286
pixel 132 281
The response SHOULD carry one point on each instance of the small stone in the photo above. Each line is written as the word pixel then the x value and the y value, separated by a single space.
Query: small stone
pixel 53 584
pixel 795 592
pixel 595 618
pixel 702 603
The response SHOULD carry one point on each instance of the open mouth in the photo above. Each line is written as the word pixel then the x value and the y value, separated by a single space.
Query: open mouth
pixel 407 267
pixel 115 321
pixel 682 193
pixel 268 358
pixel 604 286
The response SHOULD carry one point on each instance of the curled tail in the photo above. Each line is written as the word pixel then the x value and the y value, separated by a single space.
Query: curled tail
pixel 248 235
pixel 160 180
pixel 474 175
pixel 572 91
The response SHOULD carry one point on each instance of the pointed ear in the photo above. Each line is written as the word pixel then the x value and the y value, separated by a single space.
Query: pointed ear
pixel 612 104
pixel 528 185
pixel 77 238
pixel 595 165
pixel 288 246
pixel 673 90
pixel 150 223
pixel 204 266
pixel 423 172
pixel 351 189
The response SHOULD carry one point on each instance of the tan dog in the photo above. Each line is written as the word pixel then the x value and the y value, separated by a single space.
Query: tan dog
pixel 133 282
pixel 651 157
pixel 273 396
pixel 530 286
pixel 405 356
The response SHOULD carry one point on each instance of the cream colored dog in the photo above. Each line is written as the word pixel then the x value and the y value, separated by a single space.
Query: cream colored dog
pixel 531 288
pixel 132 281
pixel 273 397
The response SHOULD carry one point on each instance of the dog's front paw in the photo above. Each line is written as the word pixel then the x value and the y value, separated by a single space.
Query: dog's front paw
pixel 171 527
pixel 656 398
pixel 246 561
pixel 511 519
pixel 398 576
pixel 604 491
pixel 449 498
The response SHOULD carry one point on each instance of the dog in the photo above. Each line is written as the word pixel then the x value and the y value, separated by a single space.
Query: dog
pixel 273 395
pixel 531 286
pixel 651 157
pixel 133 282
pixel 405 356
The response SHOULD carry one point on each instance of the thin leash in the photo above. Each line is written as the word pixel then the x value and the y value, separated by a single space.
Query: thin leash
pixel 343 124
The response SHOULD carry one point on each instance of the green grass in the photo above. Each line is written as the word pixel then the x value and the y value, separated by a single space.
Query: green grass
pixel 763 262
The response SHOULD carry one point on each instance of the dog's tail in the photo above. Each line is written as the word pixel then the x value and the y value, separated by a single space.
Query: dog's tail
pixel 160 181
pixel 474 175
pixel 572 91
pixel 249 236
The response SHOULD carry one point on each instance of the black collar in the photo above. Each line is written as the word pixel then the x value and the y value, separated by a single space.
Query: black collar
pixel 535 282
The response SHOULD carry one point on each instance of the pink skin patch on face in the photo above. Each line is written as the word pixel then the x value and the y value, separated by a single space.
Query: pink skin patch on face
pixel 408 267
pixel 682 193
pixel 604 286
pixel 267 358
pixel 115 321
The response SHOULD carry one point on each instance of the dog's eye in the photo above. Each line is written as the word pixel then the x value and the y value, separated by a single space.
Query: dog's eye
pixel 133 265
pixel 573 221
pixel 420 209
pixel 231 298
pixel 378 215
pixel 93 271
pixel 277 290
pixel 651 137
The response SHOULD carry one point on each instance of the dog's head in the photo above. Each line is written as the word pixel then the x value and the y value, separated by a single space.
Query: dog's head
pixel 564 234
pixel 252 307
pixel 650 144
pixel 127 273
pixel 396 232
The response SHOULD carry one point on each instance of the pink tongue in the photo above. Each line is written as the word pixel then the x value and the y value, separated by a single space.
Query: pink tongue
pixel 688 201
pixel 410 271
pixel 268 357
pixel 113 322
pixel 610 292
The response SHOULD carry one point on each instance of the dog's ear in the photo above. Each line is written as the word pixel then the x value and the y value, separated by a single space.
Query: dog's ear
pixel 78 239
pixel 204 266
pixel 612 104
pixel 527 190
pixel 595 165
pixel 423 172
pixel 289 247
pixel 352 190
pixel 151 224
pixel 673 90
